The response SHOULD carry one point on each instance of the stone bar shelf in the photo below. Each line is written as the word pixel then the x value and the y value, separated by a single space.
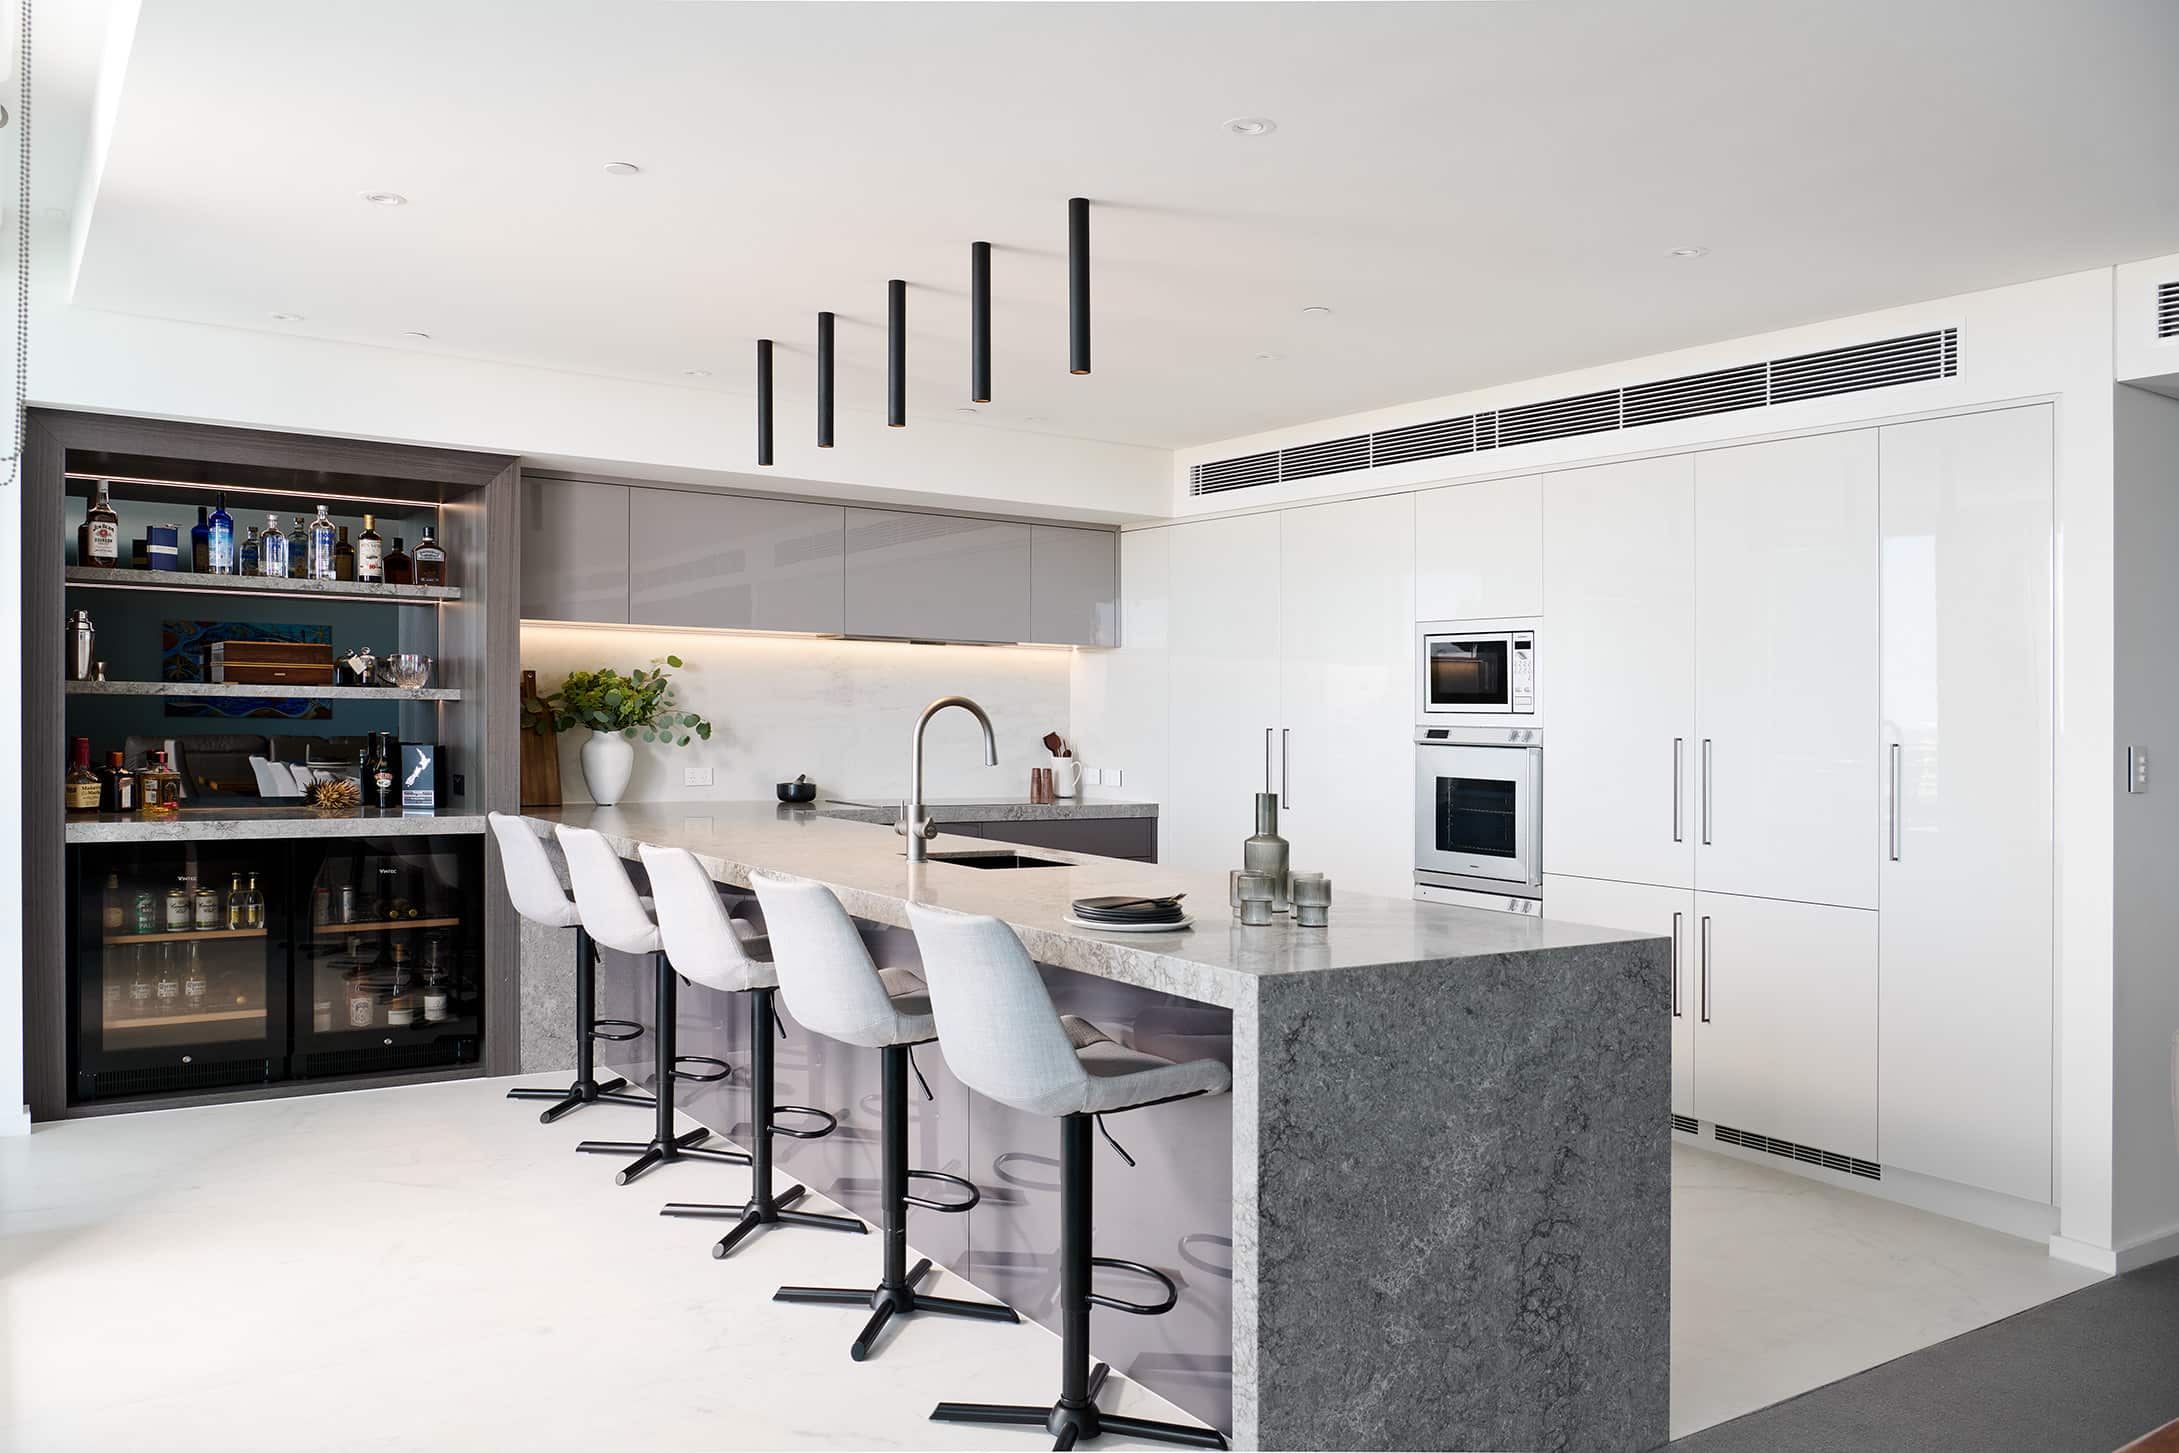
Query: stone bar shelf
pixel 1435 1211
pixel 108 578
pixel 242 822
pixel 279 691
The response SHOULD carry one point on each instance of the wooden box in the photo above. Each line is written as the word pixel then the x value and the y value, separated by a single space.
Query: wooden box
pixel 271 663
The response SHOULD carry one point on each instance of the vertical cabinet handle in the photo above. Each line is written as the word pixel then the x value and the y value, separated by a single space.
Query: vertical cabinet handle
pixel 1284 733
pixel 1895 809
pixel 1706 968
pixel 1267 759
pixel 1706 801
pixel 1675 966
pixel 1678 750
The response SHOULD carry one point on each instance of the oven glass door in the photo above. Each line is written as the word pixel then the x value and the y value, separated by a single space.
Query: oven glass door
pixel 1467 673
pixel 1476 812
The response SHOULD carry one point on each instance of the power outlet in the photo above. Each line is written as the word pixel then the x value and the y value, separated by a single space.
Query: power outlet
pixel 1110 777
pixel 695 776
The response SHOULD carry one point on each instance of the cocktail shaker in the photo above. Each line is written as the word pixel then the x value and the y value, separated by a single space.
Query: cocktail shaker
pixel 82 643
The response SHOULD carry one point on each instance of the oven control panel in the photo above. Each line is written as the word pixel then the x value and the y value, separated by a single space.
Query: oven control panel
pixel 1523 674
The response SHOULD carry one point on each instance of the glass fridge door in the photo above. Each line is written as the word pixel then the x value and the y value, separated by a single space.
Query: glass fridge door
pixel 180 967
pixel 389 955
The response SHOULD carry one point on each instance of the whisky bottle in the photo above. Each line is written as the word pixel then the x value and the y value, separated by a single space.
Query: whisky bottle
pixel 81 785
pixel 116 786
pixel 204 911
pixel 111 915
pixel 158 789
pixel 248 553
pixel 194 983
pixel 272 550
pixel 370 553
pixel 344 556
pixel 219 539
pixel 98 538
pixel 400 569
pixel 238 904
pixel 430 561
pixel 322 540
pixel 200 542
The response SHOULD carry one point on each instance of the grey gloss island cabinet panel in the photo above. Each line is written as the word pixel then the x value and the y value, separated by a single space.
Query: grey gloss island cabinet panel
pixel 575 544
pixel 1074 586
pixel 736 562
pixel 936 577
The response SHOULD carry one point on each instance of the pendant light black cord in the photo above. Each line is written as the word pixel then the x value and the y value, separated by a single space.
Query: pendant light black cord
pixel 22 249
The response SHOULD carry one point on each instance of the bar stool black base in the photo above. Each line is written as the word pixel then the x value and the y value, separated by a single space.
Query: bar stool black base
pixel 761 1211
pixel 588 1030
pixel 1070 1424
pixel 888 1302
pixel 655 1152
pixel 584 1092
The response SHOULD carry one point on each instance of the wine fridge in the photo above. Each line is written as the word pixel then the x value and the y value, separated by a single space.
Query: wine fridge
pixel 200 966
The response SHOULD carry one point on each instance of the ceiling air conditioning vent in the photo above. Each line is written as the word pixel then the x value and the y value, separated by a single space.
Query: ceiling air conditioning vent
pixel 1792 1150
pixel 1912 358
pixel 1334 457
pixel 2167 310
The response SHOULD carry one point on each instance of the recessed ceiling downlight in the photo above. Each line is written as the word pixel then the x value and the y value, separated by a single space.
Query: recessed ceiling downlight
pixel 1251 125
pixel 1269 357
pixel 1688 252
pixel 695 373
pixel 412 333
pixel 1316 310
pixel 384 199
pixel 285 317
pixel 621 169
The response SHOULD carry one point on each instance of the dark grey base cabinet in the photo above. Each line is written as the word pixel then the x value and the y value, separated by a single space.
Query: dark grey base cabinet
pixel 1133 838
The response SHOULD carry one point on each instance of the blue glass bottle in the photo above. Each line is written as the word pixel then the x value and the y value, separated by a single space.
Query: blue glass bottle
pixel 272 550
pixel 200 542
pixel 220 538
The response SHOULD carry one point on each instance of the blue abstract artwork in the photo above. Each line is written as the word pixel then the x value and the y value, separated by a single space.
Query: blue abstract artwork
pixel 185 649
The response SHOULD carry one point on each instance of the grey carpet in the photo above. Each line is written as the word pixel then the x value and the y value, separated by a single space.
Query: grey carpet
pixel 2089 1372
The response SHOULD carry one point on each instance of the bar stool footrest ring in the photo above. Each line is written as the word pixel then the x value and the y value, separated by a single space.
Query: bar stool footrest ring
pixel 832 1122
pixel 950 1207
pixel 616 1031
pixel 724 1069
pixel 1140 1309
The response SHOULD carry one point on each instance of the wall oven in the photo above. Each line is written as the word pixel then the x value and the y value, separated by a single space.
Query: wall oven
pixel 1478 670
pixel 1478 811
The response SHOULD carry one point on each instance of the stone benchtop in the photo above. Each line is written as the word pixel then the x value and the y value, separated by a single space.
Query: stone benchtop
pixel 1218 961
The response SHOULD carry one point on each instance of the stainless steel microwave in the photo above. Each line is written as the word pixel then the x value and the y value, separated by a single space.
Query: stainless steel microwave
pixel 1475 670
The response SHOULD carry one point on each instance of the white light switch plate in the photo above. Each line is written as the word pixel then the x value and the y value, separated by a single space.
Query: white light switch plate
pixel 695 776
pixel 1110 777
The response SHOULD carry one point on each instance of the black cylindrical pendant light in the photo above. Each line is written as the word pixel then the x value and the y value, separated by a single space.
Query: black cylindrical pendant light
pixel 1078 322
pixel 824 380
pixel 764 401
pixel 896 353
pixel 979 322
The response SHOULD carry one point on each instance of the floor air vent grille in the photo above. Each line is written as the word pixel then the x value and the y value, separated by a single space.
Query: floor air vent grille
pixel 2167 310
pixel 172 1079
pixel 1687 1123
pixel 1886 363
pixel 1792 1150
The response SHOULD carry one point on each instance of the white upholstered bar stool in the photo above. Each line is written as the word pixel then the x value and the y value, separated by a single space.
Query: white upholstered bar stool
pixel 1004 1039
pixel 535 891
pixel 614 915
pixel 835 989
pixel 720 952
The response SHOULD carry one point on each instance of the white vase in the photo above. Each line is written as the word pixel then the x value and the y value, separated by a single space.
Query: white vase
pixel 1066 776
pixel 609 759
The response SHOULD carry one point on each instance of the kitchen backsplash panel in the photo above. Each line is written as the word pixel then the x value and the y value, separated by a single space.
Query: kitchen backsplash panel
pixel 841 711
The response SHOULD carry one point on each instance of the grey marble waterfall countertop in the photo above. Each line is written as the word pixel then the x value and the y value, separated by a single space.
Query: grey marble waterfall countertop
pixel 886 810
pixel 1216 962
pixel 240 823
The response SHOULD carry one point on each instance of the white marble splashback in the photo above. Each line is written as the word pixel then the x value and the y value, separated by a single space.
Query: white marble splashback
pixel 839 710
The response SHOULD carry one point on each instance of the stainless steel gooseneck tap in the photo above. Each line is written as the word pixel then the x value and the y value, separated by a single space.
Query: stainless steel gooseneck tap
pixel 915 824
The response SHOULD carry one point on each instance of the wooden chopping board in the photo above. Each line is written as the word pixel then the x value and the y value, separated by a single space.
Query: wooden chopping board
pixel 540 757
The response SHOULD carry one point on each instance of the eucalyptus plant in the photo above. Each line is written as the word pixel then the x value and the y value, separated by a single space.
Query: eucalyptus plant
pixel 638 704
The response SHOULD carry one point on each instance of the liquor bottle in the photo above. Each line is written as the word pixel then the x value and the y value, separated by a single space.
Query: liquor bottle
pixel 194 984
pixel 146 919
pixel 401 1007
pixel 238 904
pixel 204 911
pixel 371 553
pixel 143 994
pixel 382 777
pixel 321 904
pixel 322 538
pixel 344 556
pixel 166 988
pixel 81 785
pixel 430 561
pixel 249 554
pixel 98 538
pixel 400 569
pixel 438 993
pixel 253 907
pixel 177 909
pixel 200 542
pixel 111 915
pixel 158 789
pixel 272 550
pixel 116 786
pixel 219 538
pixel 114 996
pixel 362 1006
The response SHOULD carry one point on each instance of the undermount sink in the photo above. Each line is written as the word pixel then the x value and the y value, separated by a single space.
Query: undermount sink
pixel 995 860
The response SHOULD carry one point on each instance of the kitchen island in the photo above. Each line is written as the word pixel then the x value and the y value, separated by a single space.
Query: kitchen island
pixel 1434 1212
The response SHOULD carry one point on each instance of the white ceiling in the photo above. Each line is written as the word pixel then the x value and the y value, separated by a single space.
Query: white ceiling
pixel 1481 192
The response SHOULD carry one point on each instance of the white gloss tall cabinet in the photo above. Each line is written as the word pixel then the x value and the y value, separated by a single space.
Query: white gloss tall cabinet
pixel 1802 721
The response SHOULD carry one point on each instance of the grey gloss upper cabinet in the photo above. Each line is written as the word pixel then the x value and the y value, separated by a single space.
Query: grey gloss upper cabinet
pixel 574 551
pixel 937 577
pixel 736 563
pixel 1074 586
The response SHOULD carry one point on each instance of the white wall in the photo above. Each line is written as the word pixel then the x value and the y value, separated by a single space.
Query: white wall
pixel 2147 938
pixel 1119 698
pixel 2047 339
pixel 841 711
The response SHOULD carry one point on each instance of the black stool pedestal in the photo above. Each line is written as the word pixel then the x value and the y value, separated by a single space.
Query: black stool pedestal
pixel 588 1030
pixel 665 1146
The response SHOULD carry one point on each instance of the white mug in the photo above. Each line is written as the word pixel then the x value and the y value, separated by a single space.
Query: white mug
pixel 1066 776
